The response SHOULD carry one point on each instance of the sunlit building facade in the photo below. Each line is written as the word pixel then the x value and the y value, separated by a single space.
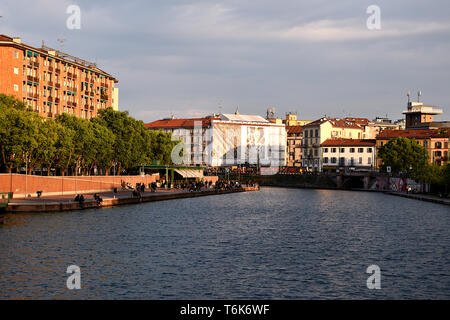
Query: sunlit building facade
pixel 53 82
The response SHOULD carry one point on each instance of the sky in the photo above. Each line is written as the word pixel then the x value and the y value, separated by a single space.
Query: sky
pixel 194 58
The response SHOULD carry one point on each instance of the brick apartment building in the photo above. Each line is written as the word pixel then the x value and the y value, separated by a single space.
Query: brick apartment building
pixel 53 82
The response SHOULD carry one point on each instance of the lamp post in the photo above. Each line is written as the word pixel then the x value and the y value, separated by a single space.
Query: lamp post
pixel 26 174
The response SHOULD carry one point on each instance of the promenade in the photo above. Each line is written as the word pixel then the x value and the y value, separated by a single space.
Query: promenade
pixel 109 199
pixel 422 197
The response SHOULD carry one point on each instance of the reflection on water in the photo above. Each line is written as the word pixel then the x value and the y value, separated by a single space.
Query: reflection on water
pixel 276 243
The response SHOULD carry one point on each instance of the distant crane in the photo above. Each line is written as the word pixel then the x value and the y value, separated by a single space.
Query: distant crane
pixel 61 41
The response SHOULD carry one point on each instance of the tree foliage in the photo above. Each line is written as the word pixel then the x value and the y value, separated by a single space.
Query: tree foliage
pixel 404 155
pixel 112 139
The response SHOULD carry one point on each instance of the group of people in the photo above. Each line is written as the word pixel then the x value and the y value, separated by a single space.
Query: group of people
pixel 126 185
pixel 194 185
pixel 80 198
pixel 228 185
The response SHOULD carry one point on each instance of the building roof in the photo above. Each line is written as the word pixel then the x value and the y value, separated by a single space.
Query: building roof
pixel 17 42
pixel 179 123
pixel 242 118
pixel 412 134
pixel 350 123
pixel 348 142
pixel 294 129
pixel 419 107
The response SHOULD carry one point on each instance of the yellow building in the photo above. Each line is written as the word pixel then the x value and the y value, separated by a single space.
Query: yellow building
pixel 316 132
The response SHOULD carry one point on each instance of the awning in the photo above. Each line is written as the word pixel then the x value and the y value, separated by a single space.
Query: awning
pixel 190 173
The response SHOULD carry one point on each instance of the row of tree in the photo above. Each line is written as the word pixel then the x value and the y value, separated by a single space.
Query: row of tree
pixel 112 140
pixel 405 155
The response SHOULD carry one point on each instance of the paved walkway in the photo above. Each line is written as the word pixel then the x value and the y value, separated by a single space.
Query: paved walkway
pixel 422 197
pixel 90 196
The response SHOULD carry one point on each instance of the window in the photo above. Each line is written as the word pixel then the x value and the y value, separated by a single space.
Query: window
pixel 342 161
pixel 16 70
pixel 360 160
pixel 360 150
pixel 352 150
pixel 306 134
pixel 352 161
pixel 325 150
pixel 369 160
pixel 438 145
pixel 342 149
pixel 317 132
pixel 369 150
pixel 315 152
pixel 16 87
pixel 16 54
pixel 325 160
pixel 333 150
pixel 333 160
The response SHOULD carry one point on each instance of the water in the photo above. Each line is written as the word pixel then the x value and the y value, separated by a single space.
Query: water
pixel 273 244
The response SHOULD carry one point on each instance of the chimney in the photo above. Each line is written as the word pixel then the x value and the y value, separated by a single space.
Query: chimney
pixel 17 40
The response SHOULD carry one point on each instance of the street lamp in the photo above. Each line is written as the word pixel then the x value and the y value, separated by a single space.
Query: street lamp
pixel 26 174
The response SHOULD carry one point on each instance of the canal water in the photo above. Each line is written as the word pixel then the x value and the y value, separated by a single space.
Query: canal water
pixel 273 244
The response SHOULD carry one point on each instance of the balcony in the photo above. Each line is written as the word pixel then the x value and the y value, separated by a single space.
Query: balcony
pixel 33 79
pixel 50 99
pixel 50 69
pixel 57 85
pixel 56 100
pixel 36 64
pixel 50 83
pixel 58 71
pixel 104 97
pixel 49 115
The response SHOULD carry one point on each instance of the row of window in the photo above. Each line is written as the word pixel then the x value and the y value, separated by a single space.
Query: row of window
pixel 351 150
pixel 343 161
pixel 311 133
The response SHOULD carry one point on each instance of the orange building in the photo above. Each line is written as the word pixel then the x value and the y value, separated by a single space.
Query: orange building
pixel 294 146
pixel 53 82
pixel 436 142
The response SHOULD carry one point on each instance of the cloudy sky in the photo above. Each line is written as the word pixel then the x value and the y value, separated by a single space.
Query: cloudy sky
pixel 315 57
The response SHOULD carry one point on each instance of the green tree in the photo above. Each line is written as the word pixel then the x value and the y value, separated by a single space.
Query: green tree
pixel 45 151
pixel 103 142
pixel 131 138
pixel 162 146
pixel 64 147
pixel 404 155
pixel 83 148
pixel 18 132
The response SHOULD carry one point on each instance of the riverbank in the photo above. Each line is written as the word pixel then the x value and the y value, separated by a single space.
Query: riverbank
pixel 422 197
pixel 110 199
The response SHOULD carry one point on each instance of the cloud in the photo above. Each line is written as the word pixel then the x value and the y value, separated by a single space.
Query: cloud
pixel 314 56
